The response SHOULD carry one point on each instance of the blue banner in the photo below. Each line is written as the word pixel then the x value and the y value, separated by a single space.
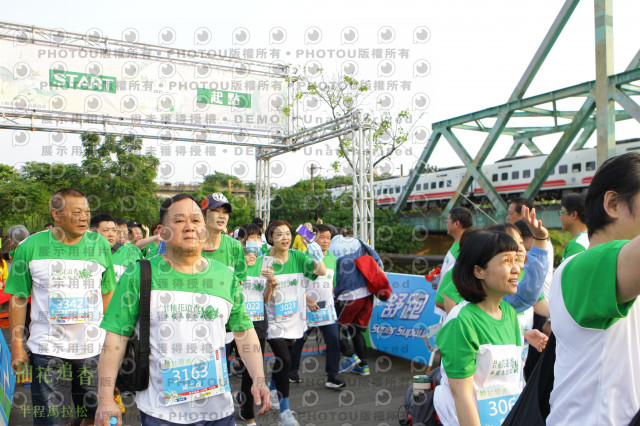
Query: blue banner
pixel 405 325
pixel 7 381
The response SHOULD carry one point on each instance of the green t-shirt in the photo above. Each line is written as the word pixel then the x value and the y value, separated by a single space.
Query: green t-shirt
pixel 450 258
pixel 598 346
pixel 189 317
pixel 597 287
pixel 444 282
pixel 124 257
pixel 286 311
pixel 230 253
pixel 461 337
pixel 577 245
pixel 150 250
pixel 66 284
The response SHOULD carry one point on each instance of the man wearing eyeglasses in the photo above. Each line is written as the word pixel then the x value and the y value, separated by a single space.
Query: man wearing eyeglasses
pixel 573 221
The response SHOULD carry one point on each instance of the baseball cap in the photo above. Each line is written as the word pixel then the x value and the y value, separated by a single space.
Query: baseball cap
pixel 213 201
pixel 133 224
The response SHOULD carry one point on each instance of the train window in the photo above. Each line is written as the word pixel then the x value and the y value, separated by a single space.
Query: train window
pixel 384 191
pixel 526 174
pixel 433 185
pixel 536 171
pixel 397 189
pixel 563 169
pixel 448 184
pixel 494 178
pixel 591 165
pixel 576 168
pixel 515 175
pixel 505 176
pixel 379 191
pixel 419 187
pixel 441 184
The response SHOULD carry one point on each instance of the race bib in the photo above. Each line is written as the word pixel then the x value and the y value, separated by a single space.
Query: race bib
pixel 286 310
pixel 196 380
pixel 255 309
pixel 73 306
pixel 324 316
pixel 493 411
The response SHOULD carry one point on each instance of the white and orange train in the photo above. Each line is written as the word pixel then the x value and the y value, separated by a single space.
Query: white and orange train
pixel 509 176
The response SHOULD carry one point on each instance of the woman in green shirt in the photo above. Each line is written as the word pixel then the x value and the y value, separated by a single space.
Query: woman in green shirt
pixel 480 342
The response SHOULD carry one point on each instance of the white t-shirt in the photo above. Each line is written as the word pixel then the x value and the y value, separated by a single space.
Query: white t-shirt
pixel 597 367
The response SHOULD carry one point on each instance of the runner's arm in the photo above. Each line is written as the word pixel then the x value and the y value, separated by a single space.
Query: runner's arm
pixel 449 304
pixel 319 269
pixel 146 241
pixel 251 353
pixel 627 271
pixel 106 298
pixel 462 391
pixel 17 317
pixel 108 366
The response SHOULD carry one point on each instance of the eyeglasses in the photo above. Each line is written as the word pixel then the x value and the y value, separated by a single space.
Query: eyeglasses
pixel 561 211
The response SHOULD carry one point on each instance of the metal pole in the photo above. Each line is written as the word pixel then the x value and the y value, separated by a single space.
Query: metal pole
pixel 605 108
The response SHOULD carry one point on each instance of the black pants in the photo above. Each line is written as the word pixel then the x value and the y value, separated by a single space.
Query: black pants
pixel 246 398
pixel 282 366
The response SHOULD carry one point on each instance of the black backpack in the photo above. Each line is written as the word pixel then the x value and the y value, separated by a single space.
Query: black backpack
pixel 419 410
pixel 133 375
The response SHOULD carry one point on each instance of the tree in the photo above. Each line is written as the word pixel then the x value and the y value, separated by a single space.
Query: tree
pixel 344 96
pixel 118 179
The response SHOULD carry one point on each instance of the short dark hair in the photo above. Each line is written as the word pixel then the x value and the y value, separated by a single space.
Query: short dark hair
pixel 519 202
pixel 462 215
pixel 524 229
pixel 48 224
pixel 258 221
pixel 478 249
pixel 506 227
pixel 322 228
pixel 57 199
pixel 166 204
pixel 574 203
pixel 272 226
pixel 119 221
pixel 99 218
pixel 620 174
pixel 247 230
pixel 154 227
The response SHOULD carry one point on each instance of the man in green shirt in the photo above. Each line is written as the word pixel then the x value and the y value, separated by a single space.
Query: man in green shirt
pixel 458 220
pixel 123 256
pixel 218 246
pixel 193 301
pixel 574 222
pixel 68 273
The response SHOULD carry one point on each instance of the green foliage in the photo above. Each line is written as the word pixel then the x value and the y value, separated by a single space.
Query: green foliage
pixel 116 178
pixel 217 181
pixel 559 239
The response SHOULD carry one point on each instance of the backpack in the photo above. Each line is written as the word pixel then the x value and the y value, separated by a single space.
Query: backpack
pixel 133 375
pixel 419 410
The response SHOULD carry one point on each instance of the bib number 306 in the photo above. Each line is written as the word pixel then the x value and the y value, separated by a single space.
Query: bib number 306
pixel 494 411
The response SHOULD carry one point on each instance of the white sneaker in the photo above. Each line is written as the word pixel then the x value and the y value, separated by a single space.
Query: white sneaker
pixel 275 403
pixel 287 419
